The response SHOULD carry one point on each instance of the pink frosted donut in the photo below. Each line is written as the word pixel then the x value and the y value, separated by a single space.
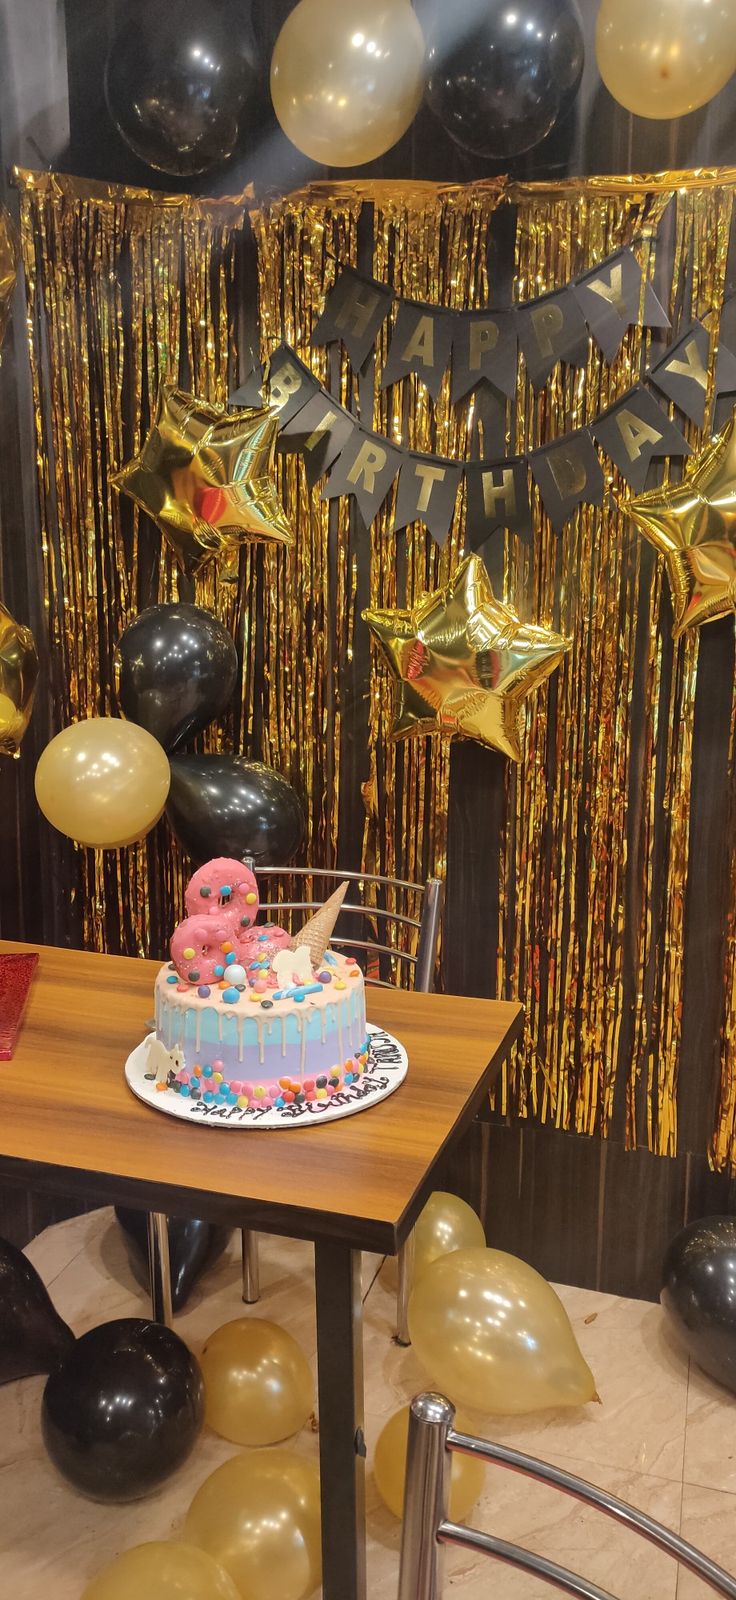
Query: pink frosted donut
pixel 255 944
pixel 223 885
pixel 196 947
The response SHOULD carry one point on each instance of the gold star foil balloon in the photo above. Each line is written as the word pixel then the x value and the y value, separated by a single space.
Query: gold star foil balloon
pixel 693 525
pixel 206 476
pixel 18 674
pixel 464 661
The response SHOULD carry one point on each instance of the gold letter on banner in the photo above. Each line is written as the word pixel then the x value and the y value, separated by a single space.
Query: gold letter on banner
pixel 691 367
pixel 358 307
pixel 547 320
pixel 495 494
pixel 634 432
pixel 613 291
pixel 429 475
pixel 567 470
pixel 317 434
pixel 370 460
pixel 483 337
pixel 420 346
pixel 286 383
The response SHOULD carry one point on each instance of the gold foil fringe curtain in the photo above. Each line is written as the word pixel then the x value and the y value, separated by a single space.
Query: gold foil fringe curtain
pixel 593 861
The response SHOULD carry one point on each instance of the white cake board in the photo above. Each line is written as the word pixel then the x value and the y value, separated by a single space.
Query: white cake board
pixel 386 1068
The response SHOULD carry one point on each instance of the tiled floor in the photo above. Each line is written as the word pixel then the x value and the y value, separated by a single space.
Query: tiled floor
pixel 663 1437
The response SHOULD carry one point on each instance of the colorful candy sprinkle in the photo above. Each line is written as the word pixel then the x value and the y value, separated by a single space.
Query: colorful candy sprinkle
pixel 251 898
pixel 267 1005
pixel 205 891
pixel 245 922
pixel 172 979
pixel 324 977
pixel 231 996
pixel 219 971
pixel 204 991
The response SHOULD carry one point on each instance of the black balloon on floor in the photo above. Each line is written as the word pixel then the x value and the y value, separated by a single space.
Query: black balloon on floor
pixel 228 806
pixel 501 75
pixel 175 671
pixel 699 1294
pixel 33 1337
pixel 177 79
pixel 123 1410
pixel 193 1246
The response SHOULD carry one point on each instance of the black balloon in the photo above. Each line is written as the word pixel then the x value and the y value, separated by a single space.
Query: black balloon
pixel 33 1337
pixel 175 671
pixel 503 72
pixel 124 1409
pixel 177 78
pixel 193 1246
pixel 228 806
pixel 699 1294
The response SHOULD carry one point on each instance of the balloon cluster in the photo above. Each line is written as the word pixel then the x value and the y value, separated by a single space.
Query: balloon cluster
pixel 106 781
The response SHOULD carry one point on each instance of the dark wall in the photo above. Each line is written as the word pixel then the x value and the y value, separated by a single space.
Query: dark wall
pixel 581 1211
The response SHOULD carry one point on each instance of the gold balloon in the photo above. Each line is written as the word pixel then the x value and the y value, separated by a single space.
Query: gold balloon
pixel 206 476
pixel 493 1335
pixel 446 1224
pixel 693 525
pixel 347 77
pixel 18 674
pixel 9 258
pixel 162 1570
pixel 258 1384
pixel 464 661
pixel 259 1516
pixel 389 1468
pixel 663 58
pixel 104 782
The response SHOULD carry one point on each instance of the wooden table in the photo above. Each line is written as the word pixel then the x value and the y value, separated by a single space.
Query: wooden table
pixel 68 1122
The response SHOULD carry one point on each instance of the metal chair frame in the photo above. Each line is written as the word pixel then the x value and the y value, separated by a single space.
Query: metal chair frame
pixel 423 964
pixel 427 1528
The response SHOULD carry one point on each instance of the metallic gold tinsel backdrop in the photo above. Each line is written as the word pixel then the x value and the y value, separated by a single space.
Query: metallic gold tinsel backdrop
pixel 125 287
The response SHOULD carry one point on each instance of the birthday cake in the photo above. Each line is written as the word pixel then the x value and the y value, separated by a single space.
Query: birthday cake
pixel 246 1015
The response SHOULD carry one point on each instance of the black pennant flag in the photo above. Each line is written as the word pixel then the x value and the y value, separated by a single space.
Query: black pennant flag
pixel 354 310
pixel 633 431
pixel 551 329
pixel 566 474
pixel 420 343
pixel 682 372
pixel 365 468
pixel 319 431
pixel 286 385
pixel 609 297
pixel 484 345
pixel 498 497
pixel 427 492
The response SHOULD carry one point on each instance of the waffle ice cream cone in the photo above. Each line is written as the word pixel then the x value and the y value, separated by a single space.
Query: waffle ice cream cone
pixel 317 932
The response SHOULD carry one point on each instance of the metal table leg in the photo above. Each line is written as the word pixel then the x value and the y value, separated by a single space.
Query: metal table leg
pixel 159 1268
pixel 406 1278
pixel 341 1441
pixel 251 1270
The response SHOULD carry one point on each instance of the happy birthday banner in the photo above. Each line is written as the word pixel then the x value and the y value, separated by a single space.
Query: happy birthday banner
pixel 632 432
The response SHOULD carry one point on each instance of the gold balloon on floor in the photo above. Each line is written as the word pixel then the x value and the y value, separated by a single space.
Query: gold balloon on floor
pixel 493 1335
pixel 693 525
pixel 446 1224
pixel 258 1384
pixel 18 674
pixel 103 782
pixel 665 57
pixel 389 1468
pixel 206 476
pixel 464 661
pixel 347 77
pixel 163 1570
pixel 259 1516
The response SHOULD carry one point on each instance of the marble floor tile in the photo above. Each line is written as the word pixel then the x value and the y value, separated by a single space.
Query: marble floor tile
pixel 52 1540
pixel 708 1521
pixel 710 1436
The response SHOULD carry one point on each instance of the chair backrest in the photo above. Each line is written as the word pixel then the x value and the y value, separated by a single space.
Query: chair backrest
pixel 395 925
pixel 426 1528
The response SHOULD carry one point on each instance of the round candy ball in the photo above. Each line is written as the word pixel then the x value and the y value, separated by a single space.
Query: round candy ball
pixel 123 1410
pixel 258 1384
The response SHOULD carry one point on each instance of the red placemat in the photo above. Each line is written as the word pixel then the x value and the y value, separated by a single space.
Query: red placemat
pixel 16 973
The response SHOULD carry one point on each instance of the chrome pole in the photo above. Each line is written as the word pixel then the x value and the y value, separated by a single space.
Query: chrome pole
pixel 429 935
pixel 159 1268
pixel 406 1278
pixel 425 1496
pixel 251 1272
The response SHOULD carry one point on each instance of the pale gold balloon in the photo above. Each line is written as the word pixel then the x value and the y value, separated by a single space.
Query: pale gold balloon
pixel 18 672
pixel 389 1468
pixel 493 1335
pixel 162 1570
pixel 446 1224
pixel 259 1516
pixel 347 77
pixel 104 782
pixel 663 58
pixel 258 1384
